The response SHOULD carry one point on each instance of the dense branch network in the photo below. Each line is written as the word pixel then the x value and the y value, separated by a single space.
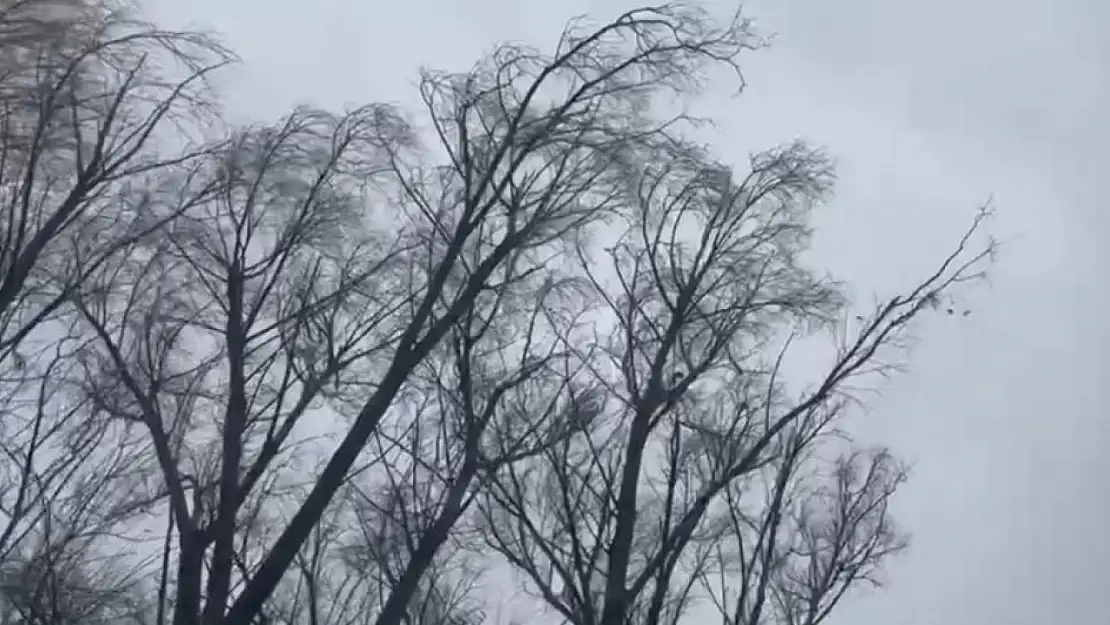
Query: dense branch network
pixel 343 368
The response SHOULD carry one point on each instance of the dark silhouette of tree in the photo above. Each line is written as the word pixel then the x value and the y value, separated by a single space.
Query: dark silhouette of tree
pixel 330 369
pixel 705 469
pixel 88 97
pixel 87 101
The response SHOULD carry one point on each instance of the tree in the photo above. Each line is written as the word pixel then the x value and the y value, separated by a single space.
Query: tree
pixel 338 364
pixel 704 469
pixel 62 578
pixel 230 324
pixel 87 101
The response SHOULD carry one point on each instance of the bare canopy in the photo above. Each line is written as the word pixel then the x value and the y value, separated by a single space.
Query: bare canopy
pixel 331 369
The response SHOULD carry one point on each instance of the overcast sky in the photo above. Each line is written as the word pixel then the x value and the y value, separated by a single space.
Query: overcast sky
pixel 932 107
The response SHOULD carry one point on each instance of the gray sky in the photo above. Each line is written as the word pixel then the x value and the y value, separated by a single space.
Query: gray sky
pixel 931 107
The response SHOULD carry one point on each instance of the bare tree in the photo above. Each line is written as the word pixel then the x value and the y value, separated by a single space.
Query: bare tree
pixel 93 107
pixel 814 538
pixel 538 147
pixel 231 324
pixel 350 362
pixel 708 468
pixel 270 285
pixel 67 580
pixel 80 487
pixel 92 103
pixel 71 483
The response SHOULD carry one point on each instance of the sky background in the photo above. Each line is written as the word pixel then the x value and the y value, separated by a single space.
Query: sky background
pixel 931 108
